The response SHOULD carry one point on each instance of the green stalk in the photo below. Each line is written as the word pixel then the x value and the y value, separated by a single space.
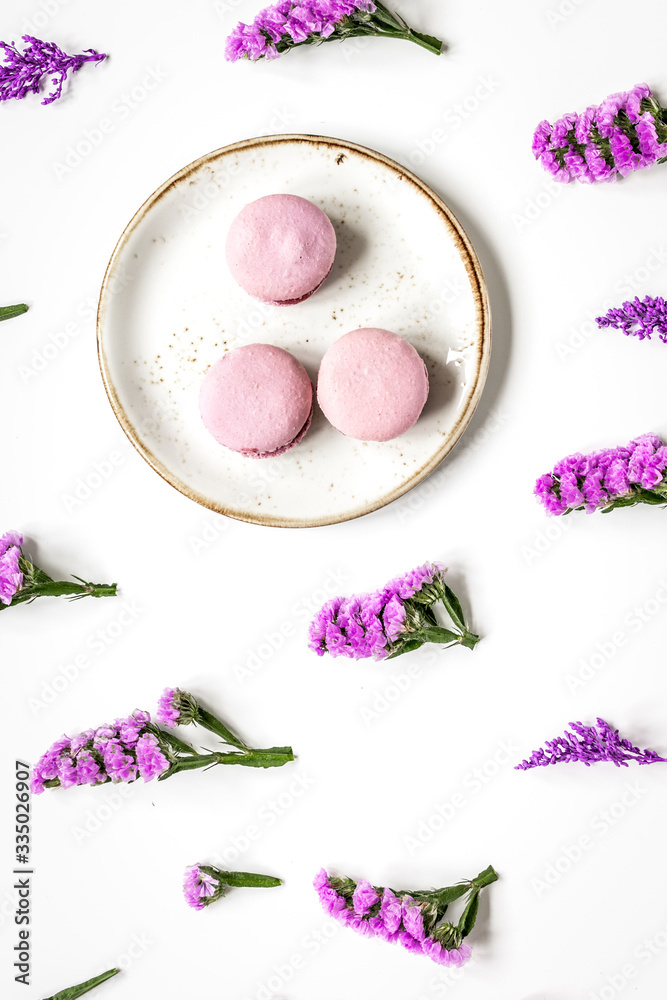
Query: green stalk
pixel 72 992
pixel 245 880
pixel 208 721
pixel 9 312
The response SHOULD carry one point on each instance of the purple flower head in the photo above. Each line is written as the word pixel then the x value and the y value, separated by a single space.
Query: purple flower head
pixel 11 577
pixel 391 911
pixel 277 28
pixel 23 71
pixel 150 759
pixel 413 919
pixel 638 318
pixel 625 132
pixel 632 473
pixel 365 897
pixel 176 708
pixel 589 745
pixel 200 888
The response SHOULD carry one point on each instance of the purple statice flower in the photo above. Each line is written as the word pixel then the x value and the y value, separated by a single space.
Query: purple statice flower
pixel 399 918
pixel 150 759
pixel 23 70
pixel 391 620
pixel 168 711
pixel 11 577
pixel 626 132
pixel 122 751
pixel 639 318
pixel 615 477
pixel 588 745
pixel 365 896
pixel 288 23
pixel 199 888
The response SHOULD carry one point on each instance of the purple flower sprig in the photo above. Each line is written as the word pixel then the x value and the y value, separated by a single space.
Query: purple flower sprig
pixel 22 582
pixel 604 480
pixel 9 312
pixel 73 992
pixel 589 745
pixel 205 884
pixel 134 747
pixel 414 920
pixel 393 620
pixel 290 23
pixel 23 70
pixel 624 133
pixel 639 318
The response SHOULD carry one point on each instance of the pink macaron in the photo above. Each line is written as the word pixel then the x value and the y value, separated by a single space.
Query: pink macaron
pixel 257 400
pixel 281 248
pixel 372 385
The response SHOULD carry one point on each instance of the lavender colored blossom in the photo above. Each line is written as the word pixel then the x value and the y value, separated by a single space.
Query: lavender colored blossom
pixel 639 318
pixel 205 884
pixel 177 708
pixel 615 477
pixel 589 745
pixel 199 888
pixel 120 752
pixel 24 70
pixel 11 577
pixel 390 621
pixel 626 132
pixel 417 924
pixel 289 23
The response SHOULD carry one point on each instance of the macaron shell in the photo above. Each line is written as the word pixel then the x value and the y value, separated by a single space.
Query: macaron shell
pixel 257 400
pixel 372 385
pixel 281 248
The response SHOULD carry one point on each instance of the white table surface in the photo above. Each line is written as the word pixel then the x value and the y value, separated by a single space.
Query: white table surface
pixel 380 747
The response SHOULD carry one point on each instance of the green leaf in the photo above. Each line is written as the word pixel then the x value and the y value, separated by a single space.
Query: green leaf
pixel 273 757
pixel 452 893
pixel 453 606
pixel 487 877
pixel 407 646
pixel 469 915
pixel 214 725
pixel 440 635
pixel 72 992
pixel 9 312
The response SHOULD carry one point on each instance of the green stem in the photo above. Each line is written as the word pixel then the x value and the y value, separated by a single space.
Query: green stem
pixel 273 757
pixel 247 880
pixel 63 588
pixel 9 312
pixel 72 992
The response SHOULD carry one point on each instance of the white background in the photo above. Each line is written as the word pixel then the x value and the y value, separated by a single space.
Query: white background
pixel 546 596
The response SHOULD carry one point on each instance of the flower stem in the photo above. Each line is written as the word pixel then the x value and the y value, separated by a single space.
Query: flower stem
pixel 208 721
pixel 9 312
pixel 64 588
pixel 247 880
pixel 72 992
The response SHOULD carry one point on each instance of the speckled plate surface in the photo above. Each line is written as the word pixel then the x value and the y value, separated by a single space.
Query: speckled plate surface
pixel 169 308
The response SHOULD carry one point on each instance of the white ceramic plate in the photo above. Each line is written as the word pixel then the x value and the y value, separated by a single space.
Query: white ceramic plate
pixel 169 308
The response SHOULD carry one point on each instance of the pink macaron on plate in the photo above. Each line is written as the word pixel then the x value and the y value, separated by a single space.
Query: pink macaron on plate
pixel 170 310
